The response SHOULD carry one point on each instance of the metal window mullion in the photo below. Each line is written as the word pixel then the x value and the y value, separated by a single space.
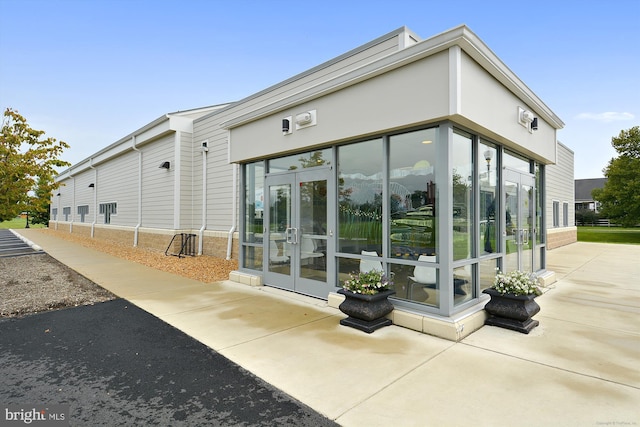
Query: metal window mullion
pixel 444 175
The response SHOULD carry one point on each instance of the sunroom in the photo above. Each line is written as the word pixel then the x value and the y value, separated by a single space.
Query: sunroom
pixel 425 159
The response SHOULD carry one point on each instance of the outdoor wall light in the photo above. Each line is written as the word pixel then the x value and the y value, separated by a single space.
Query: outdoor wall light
pixel 534 124
pixel 286 126
pixel 58 194
pixel 165 165
pixel 92 185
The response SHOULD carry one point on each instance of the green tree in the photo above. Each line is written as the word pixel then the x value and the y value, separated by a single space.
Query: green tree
pixel 28 163
pixel 620 197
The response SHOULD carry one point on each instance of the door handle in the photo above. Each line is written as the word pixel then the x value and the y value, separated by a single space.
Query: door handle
pixel 292 235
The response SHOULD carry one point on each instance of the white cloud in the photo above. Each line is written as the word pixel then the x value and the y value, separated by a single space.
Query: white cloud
pixel 607 117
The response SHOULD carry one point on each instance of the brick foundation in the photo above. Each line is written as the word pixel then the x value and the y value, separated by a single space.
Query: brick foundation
pixel 214 243
pixel 561 237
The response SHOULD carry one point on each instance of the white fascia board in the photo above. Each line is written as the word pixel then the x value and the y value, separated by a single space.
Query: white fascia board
pixel 401 33
pixel 144 134
pixel 460 36
pixel 483 55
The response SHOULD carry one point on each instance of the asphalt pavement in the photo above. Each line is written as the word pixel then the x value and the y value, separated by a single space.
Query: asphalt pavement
pixel 114 364
pixel 579 367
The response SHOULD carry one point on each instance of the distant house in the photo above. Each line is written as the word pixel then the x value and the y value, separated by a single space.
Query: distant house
pixel 583 197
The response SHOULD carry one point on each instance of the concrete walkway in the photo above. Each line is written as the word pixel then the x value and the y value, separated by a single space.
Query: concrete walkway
pixel 580 367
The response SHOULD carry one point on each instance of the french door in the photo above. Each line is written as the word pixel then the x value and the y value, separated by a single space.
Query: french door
pixel 519 231
pixel 299 232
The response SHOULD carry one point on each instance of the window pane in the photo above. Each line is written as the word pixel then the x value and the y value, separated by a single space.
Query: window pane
pixel 462 196
pixel 487 155
pixel 360 197
pixel 539 204
pixel 252 257
pixel 487 273
pixel 417 283
pixel 301 161
pixel 513 161
pixel 412 194
pixel 462 284
pixel 254 198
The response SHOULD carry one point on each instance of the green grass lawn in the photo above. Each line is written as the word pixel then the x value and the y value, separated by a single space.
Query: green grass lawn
pixel 19 223
pixel 609 235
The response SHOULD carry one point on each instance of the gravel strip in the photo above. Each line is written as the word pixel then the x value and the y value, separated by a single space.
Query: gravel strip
pixel 37 283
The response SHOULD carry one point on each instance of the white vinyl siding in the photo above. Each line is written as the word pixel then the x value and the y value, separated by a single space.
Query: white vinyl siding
pixel 117 182
pixel 158 183
pixel 85 194
pixel 188 151
pixel 559 186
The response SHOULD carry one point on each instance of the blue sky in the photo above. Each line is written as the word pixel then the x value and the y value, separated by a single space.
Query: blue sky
pixel 90 72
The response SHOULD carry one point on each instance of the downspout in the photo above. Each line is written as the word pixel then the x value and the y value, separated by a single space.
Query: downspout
pixel 73 202
pixel 204 149
pixel 233 210
pixel 95 196
pixel 137 228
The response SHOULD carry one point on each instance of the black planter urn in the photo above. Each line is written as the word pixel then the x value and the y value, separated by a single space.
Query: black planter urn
pixel 366 312
pixel 510 311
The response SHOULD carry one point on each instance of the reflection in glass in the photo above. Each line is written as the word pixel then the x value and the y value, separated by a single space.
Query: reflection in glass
pixel 417 283
pixel 301 161
pixel 253 216
pixel 512 238
pixel 462 197
pixel 313 230
pixel 539 203
pixel 412 194
pixel 279 228
pixel 254 198
pixel 487 272
pixel 526 232
pixel 462 284
pixel 489 238
pixel 253 257
pixel 516 162
pixel 360 197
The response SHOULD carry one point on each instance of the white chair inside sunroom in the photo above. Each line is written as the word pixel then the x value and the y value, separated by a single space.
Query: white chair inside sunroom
pixel 367 265
pixel 275 256
pixel 423 276
pixel 308 249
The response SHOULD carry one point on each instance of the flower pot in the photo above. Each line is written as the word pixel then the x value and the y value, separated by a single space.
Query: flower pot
pixel 510 311
pixel 366 312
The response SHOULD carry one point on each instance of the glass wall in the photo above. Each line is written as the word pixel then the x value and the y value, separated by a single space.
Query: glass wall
pixel 413 206
pixel 488 180
pixel 462 165
pixel 388 212
pixel 487 272
pixel 360 197
pixel 516 162
pixel 301 161
pixel 539 262
pixel 253 215
pixel 413 213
